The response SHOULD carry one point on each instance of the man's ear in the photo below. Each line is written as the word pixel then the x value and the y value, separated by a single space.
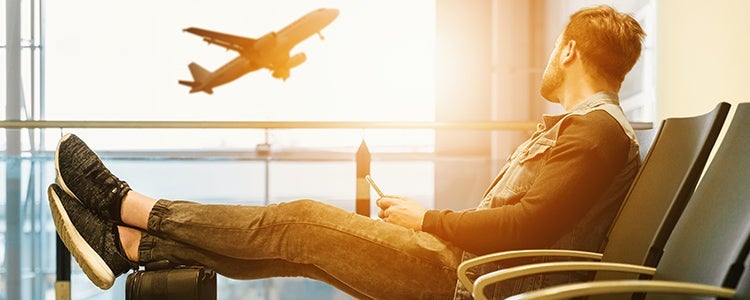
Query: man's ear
pixel 569 52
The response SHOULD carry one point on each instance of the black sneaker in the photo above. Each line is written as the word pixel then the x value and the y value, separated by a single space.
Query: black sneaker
pixel 93 242
pixel 81 174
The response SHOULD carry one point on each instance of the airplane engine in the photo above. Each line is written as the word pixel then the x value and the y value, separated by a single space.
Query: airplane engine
pixel 296 60
pixel 265 42
pixel 282 72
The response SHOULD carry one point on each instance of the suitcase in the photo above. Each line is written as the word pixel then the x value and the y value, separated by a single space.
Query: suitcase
pixel 169 282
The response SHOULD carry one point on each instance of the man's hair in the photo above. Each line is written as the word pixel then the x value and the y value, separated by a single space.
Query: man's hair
pixel 609 41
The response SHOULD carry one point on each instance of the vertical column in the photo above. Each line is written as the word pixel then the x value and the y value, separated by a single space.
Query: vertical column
pixel 518 59
pixel 13 141
pixel 463 69
pixel 363 188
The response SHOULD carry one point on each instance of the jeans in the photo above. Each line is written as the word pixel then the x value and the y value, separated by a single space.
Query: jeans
pixel 363 257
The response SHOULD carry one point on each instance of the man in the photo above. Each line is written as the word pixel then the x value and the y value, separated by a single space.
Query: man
pixel 560 189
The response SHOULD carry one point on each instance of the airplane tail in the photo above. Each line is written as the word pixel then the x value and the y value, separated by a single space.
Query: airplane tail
pixel 199 76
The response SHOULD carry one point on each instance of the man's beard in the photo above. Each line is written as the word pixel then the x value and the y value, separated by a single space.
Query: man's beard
pixel 552 79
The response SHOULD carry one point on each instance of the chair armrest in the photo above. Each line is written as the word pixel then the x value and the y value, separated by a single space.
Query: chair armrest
pixel 625 286
pixel 525 270
pixel 466 265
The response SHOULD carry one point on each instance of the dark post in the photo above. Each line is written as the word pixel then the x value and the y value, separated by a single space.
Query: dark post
pixel 62 284
pixel 363 188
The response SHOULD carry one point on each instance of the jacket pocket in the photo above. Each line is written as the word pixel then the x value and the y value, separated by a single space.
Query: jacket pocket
pixel 536 149
pixel 520 173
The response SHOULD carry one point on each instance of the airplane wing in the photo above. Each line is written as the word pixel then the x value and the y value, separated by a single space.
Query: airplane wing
pixel 231 42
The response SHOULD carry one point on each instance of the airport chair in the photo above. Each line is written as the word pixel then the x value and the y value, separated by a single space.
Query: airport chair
pixel 707 250
pixel 662 186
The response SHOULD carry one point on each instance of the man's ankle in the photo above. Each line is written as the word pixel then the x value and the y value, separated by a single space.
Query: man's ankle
pixel 130 239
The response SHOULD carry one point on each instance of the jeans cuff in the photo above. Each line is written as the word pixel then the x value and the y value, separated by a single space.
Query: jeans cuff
pixel 145 249
pixel 156 215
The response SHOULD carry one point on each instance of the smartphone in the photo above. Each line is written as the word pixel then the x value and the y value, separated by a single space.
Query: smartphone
pixel 374 186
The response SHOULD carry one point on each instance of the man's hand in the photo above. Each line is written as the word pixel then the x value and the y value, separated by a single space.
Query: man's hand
pixel 401 211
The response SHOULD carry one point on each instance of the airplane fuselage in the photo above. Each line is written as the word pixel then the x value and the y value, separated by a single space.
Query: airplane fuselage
pixel 230 71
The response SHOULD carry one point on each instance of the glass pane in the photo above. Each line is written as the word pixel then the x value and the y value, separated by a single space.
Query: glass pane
pixel 3 79
pixel 331 182
pixel 127 61
pixel 218 140
pixel 122 63
pixel 205 181
pixel 3 29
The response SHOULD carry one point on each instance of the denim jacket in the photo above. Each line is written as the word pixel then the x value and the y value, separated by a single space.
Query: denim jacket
pixel 517 176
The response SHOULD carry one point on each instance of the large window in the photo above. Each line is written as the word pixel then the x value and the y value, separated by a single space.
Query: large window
pixel 122 61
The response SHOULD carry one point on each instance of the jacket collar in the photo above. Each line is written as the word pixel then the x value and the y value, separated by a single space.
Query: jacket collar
pixel 588 104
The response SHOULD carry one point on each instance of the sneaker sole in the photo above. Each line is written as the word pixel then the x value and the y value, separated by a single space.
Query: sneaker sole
pixel 91 263
pixel 58 177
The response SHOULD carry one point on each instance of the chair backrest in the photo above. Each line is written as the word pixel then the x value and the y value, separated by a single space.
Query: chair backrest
pixel 715 225
pixel 667 178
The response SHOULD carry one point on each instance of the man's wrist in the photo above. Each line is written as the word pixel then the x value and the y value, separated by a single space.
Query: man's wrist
pixel 426 219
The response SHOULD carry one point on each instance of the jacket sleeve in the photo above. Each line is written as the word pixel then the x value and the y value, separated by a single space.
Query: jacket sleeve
pixel 589 152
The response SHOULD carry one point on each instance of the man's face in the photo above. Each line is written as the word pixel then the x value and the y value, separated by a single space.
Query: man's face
pixel 553 76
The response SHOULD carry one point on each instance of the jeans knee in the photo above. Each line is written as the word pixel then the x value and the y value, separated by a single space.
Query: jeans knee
pixel 302 204
pixel 308 209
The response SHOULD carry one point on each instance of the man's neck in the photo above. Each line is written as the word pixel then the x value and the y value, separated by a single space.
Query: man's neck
pixel 575 92
pixel 571 98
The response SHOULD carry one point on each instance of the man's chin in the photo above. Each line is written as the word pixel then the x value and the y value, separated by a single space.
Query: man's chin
pixel 549 96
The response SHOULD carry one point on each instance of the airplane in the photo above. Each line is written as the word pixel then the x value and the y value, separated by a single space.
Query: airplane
pixel 271 51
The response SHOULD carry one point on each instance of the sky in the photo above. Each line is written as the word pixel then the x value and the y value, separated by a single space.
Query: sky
pixel 376 63
pixel 122 60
